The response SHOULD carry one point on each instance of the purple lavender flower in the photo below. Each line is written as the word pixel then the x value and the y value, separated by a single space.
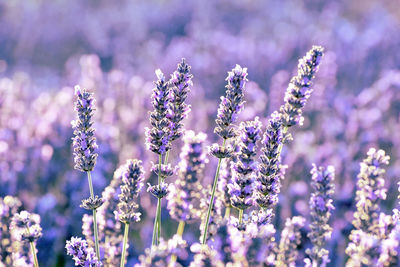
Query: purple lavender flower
pixel 204 256
pixel 181 81
pixel 185 194
pixel 232 103
pixel 290 239
pixel 321 207
pixel 132 179
pixel 260 244
pixel 268 182
pixel 82 254
pixel 220 152
pixel 241 188
pixel 164 171
pixel 159 136
pixel 84 141
pixel 159 191
pixel 299 89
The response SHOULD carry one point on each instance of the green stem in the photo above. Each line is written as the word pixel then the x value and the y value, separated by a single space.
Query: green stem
pixel 210 205
pixel 157 219
pixel 284 131
pixel 227 212
pixel 96 235
pixel 33 249
pixel 240 216
pixel 179 232
pixel 126 232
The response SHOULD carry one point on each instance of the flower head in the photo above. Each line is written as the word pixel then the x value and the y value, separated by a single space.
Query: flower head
pixel 290 239
pixel 299 89
pixel 84 141
pixel 82 254
pixel 232 103
pixel 27 225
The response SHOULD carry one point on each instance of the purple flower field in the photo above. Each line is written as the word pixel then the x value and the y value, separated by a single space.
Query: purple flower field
pixel 200 133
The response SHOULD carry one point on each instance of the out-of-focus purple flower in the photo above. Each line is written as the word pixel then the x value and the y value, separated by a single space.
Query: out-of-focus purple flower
pixel 260 244
pixel 27 225
pixel 82 254
pixel 84 141
pixel 321 207
pixel 161 254
pixel 290 239
pixel 132 183
pixel 299 89
pixel 268 183
pixel 181 81
pixel 232 103
pixel 184 197
pixel 242 186
pixel 159 136
pixel 204 257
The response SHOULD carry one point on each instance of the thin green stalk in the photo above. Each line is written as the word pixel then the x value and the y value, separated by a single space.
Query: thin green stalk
pixel 240 216
pixel 227 212
pixel 179 232
pixel 157 220
pixel 96 235
pixel 126 232
pixel 284 131
pixel 33 249
pixel 210 205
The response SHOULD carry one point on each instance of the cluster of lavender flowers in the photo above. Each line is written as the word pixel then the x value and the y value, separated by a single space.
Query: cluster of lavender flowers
pixel 241 181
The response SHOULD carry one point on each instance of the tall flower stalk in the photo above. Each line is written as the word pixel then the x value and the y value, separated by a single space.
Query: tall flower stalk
pixel 132 183
pixel 228 111
pixel 321 207
pixel 85 147
pixel 242 186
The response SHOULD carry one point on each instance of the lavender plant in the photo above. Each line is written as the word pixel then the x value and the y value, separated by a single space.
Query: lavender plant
pixel 228 111
pixel 81 253
pixel 132 179
pixel 242 186
pixel 321 207
pixel 85 146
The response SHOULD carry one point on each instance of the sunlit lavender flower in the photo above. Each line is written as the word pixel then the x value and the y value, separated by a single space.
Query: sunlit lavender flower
pixel 181 81
pixel 241 188
pixel 290 239
pixel 220 151
pixel 82 254
pixel 204 257
pixel 161 254
pixel 321 207
pixel 28 225
pixel 185 195
pixel 299 89
pixel 268 182
pixel 158 137
pixel 370 190
pixel 159 191
pixel 232 103
pixel 132 179
pixel 164 170
pixel 84 141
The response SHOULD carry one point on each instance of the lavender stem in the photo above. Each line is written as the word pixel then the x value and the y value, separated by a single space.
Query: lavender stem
pixel 33 249
pixel 96 235
pixel 157 221
pixel 126 231
pixel 210 206
pixel 240 216
pixel 227 212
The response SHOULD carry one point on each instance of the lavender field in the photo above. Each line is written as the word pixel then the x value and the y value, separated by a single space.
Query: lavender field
pixel 200 133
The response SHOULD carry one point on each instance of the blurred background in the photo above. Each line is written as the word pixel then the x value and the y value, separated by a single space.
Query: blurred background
pixel 113 48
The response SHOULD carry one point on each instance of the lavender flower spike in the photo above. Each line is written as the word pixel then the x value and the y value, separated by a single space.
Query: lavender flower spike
pixel 82 254
pixel 268 183
pixel 241 188
pixel 132 183
pixel 27 227
pixel 290 239
pixel 132 179
pixel 321 207
pixel 84 141
pixel 232 103
pixel 299 89
pixel 181 81
pixel 158 137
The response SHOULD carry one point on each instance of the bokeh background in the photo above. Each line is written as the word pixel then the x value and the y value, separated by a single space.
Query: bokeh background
pixel 113 48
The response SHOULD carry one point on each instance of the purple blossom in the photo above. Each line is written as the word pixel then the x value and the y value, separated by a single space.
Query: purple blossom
pixel 84 141
pixel 181 81
pixel 82 254
pixel 232 103
pixel 299 89
pixel 158 137
pixel 290 239
pixel 132 183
